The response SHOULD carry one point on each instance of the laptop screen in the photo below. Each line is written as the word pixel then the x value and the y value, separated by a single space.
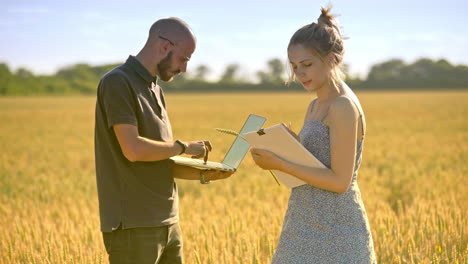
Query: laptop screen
pixel 239 148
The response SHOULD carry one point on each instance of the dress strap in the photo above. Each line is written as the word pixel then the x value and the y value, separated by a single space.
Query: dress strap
pixel 361 116
pixel 313 103
pixel 312 108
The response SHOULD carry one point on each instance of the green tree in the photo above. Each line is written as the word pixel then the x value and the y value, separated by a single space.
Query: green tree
pixel 5 78
pixel 230 73
pixel 200 72
pixel 81 77
pixel 274 74
pixel 23 82
pixel 352 80
pixel 386 71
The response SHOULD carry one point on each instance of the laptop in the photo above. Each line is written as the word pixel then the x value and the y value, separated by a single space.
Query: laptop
pixel 234 156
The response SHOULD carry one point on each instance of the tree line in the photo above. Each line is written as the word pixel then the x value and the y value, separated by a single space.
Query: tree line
pixel 423 73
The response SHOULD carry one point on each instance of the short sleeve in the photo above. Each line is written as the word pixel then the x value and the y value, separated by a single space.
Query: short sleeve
pixel 117 100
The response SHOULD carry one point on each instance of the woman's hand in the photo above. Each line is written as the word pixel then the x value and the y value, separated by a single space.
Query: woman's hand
pixel 288 127
pixel 265 159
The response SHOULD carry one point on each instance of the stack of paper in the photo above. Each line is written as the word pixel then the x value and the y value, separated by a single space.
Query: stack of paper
pixel 278 140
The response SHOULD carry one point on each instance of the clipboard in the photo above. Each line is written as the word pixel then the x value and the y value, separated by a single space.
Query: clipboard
pixel 278 140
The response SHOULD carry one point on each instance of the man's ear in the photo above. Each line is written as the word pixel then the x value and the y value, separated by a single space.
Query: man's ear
pixel 164 48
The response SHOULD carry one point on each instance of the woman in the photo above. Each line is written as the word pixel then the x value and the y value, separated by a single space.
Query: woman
pixel 326 220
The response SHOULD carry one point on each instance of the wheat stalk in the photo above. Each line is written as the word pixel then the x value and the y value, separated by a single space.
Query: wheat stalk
pixel 234 133
pixel 227 131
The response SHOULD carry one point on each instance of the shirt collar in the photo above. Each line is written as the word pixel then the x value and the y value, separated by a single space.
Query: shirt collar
pixel 134 64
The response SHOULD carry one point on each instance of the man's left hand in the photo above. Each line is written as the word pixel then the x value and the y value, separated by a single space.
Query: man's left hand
pixel 213 175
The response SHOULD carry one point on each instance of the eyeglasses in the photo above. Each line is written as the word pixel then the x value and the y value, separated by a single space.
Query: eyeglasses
pixel 172 43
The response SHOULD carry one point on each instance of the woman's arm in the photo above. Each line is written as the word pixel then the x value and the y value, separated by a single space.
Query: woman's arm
pixel 342 120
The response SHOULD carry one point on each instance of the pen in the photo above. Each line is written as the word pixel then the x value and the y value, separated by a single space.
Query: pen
pixel 272 174
pixel 205 159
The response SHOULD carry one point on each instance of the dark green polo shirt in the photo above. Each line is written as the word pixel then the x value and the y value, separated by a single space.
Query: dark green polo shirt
pixel 134 194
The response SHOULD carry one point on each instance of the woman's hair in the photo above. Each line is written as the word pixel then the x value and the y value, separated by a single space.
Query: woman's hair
pixel 323 38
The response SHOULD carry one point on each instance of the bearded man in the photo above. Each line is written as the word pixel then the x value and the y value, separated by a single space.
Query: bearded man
pixel 138 198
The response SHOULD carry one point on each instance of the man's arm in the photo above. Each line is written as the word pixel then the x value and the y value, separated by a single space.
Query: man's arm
pixel 189 173
pixel 136 148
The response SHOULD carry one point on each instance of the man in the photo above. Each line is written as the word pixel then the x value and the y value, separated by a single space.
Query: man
pixel 138 198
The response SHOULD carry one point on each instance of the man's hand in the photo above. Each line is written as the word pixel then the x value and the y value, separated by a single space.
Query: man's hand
pixel 190 173
pixel 198 149
pixel 213 175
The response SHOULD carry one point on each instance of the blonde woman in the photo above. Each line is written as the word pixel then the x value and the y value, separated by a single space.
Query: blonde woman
pixel 326 221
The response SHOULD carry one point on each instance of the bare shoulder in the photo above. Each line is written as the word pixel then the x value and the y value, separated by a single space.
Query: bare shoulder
pixel 343 108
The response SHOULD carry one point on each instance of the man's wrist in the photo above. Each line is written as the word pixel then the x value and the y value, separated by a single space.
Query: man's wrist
pixel 182 145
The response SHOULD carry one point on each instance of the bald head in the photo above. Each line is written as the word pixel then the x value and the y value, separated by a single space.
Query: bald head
pixel 169 48
pixel 173 29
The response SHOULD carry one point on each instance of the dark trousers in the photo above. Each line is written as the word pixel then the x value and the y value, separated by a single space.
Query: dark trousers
pixel 145 245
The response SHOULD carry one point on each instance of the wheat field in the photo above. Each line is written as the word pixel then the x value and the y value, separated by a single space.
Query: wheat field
pixel 412 178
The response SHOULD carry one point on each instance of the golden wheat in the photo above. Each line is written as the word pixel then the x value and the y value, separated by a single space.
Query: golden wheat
pixel 412 178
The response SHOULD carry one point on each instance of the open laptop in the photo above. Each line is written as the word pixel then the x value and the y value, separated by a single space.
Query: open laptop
pixel 234 156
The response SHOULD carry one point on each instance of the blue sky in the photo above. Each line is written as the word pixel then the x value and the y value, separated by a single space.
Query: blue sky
pixel 46 35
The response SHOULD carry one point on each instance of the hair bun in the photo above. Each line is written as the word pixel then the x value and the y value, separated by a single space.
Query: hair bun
pixel 327 19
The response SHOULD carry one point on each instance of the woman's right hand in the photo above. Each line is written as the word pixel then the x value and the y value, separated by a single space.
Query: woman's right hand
pixel 266 159
pixel 288 127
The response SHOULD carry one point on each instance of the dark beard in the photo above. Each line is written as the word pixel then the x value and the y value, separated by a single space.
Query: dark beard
pixel 164 68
